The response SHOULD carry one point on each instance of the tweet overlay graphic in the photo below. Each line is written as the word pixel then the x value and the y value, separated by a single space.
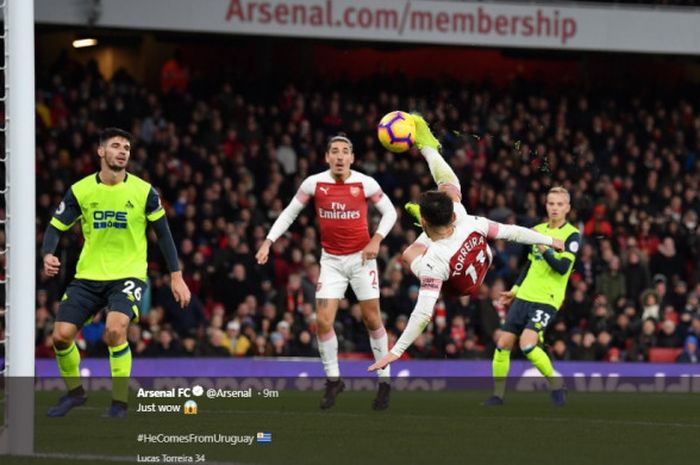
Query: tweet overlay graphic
pixel 652 411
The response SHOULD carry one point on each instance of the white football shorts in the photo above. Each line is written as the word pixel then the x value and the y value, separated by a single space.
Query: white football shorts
pixel 337 271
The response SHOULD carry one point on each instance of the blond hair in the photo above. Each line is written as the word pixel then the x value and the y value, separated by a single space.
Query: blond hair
pixel 560 190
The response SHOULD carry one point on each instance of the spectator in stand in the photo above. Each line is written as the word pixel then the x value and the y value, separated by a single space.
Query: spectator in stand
pixel 136 340
pixel 600 315
pixel 217 345
pixel 470 350
pixel 239 342
pixel 420 348
pixel 650 305
pixel 666 260
pixel 303 347
pixel 166 345
pixel 695 326
pixel 647 239
pixel 645 341
pixel 174 75
pixel 578 307
pixel 587 266
pixel 637 277
pixel 603 345
pixel 598 226
pixel 286 156
pixel 668 336
pixel 691 352
pixel 678 297
pixel 278 345
pixel 235 288
pixel 613 355
pixel 587 350
pixel 612 283
pixel 492 314
pixel 292 297
pixel 559 350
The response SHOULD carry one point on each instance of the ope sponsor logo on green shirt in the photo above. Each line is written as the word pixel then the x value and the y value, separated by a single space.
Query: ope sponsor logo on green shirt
pixel 104 219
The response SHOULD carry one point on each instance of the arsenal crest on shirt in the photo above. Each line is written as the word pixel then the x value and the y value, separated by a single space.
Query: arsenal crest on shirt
pixel 354 191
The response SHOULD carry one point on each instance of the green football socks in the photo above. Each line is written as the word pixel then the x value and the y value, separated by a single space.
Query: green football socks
pixel 120 362
pixel 500 367
pixel 539 358
pixel 69 365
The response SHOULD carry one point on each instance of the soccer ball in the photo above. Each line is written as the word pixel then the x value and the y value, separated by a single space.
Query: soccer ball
pixel 397 131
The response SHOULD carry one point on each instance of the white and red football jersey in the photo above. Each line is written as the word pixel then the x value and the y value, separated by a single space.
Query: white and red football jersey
pixel 341 208
pixel 460 261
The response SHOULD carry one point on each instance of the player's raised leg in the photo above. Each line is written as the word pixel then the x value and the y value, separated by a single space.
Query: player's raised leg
pixel 119 360
pixel 443 175
pixel 442 172
pixel 68 360
pixel 326 310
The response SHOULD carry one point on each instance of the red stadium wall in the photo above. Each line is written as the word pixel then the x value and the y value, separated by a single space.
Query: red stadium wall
pixel 142 54
pixel 431 62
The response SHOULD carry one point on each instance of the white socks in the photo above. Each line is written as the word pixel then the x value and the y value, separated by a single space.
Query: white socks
pixel 328 348
pixel 379 342
pixel 442 172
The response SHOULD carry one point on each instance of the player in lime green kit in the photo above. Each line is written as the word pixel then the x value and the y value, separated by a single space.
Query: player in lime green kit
pixel 536 297
pixel 114 208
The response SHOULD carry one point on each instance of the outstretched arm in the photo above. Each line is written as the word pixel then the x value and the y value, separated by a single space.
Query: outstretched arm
pixel 286 218
pixel 279 227
pixel 514 233
pixel 420 317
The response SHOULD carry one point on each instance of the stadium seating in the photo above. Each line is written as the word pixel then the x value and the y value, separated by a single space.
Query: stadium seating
pixel 664 354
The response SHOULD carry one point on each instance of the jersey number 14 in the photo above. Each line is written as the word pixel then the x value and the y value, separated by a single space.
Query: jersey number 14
pixel 471 269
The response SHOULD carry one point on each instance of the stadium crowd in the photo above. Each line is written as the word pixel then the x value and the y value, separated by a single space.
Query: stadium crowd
pixel 227 159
